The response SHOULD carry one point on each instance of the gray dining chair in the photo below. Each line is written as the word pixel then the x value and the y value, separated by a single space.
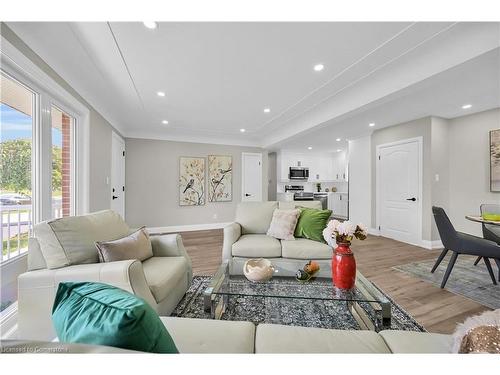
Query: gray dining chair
pixel 461 243
pixel 491 232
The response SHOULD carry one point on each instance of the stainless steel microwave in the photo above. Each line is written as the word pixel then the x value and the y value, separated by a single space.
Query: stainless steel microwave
pixel 298 173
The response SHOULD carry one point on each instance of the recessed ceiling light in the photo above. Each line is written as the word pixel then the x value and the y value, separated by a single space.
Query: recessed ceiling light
pixel 267 110
pixel 309 148
pixel 371 124
pixel 242 130
pixel 339 150
pixel 338 139
pixel 319 67
pixel 466 106
pixel 160 93
pixel 164 122
pixel 150 24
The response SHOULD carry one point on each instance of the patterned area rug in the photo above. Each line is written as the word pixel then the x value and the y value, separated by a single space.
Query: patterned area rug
pixel 467 280
pixel 321 314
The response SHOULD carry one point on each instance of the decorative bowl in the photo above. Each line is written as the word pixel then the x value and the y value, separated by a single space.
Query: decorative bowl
pixel 258 270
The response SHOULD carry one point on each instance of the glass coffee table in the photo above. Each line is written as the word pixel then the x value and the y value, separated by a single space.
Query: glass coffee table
pixel 368 306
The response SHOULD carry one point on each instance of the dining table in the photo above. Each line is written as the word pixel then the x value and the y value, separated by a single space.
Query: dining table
pixel 479 219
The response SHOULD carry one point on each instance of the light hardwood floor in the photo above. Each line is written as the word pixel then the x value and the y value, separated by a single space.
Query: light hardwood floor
pixel 436 309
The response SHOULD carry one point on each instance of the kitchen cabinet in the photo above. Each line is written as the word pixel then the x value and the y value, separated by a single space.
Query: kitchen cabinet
pixel 338 203
pixel 340 167
pixel 321 169
pixel 321 166
pixel 286 160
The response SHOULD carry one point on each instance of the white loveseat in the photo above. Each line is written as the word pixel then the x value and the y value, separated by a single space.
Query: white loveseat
pixel 161 280
pixel 246 238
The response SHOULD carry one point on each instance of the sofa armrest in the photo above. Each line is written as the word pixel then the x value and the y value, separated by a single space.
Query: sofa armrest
pixel 232 233
pixel 37 289
pixel 171 245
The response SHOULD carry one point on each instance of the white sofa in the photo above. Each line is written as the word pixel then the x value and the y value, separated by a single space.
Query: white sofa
pixel 161 280
pixel 218 336
pixel 246 238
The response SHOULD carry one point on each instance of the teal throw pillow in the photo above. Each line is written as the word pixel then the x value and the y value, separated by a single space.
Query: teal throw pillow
pixel 101 314
pixel 311 224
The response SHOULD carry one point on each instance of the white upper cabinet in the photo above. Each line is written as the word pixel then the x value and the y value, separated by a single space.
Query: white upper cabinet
pixel 340 166
pixel 286 160
pixel 321 166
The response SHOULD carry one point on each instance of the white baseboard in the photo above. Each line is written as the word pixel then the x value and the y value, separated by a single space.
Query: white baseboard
pixel 431 245
pixel 426 244
pixel 186 228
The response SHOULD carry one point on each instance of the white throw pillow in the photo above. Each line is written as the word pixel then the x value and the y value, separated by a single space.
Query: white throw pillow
pixel 283 224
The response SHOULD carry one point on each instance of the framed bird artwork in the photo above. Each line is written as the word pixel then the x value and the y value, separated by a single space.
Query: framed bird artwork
pixel 191 181
pixel 220 178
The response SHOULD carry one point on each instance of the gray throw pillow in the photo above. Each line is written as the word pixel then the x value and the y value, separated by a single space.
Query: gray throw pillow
pixel 136 245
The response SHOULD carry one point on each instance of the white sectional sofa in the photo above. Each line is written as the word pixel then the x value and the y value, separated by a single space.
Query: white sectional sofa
pixel 217 336
pixel 246 238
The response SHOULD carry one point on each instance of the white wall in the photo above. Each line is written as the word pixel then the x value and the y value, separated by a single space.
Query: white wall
pixel 440 168
pixel 457 150
pixel 469 167
pixel 360 180
pixel 272 176
pixel 152 168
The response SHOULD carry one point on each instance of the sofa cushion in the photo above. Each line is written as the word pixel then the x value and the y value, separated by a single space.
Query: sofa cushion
pixel 211 336
pixel 257 246
pixel 274 338
pixel 71 240
pixel 417 342
pixel 297 204
pixel 36 260
pixel 302 248
pixel 163 274
pixel 102 314
pixel 134 246
pixel 255 217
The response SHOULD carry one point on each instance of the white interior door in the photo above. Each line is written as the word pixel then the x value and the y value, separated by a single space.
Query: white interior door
pixel 251 172
pixel 399 190
pixel 118 174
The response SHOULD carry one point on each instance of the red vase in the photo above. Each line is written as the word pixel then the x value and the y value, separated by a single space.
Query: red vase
pixel 343 267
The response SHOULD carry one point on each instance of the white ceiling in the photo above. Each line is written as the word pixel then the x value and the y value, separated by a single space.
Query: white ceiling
pixel 218 77
pixel 475 82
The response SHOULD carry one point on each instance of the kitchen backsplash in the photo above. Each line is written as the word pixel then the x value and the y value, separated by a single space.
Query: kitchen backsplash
pixel 311 186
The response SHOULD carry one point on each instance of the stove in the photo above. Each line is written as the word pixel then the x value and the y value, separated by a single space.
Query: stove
pixel 303 196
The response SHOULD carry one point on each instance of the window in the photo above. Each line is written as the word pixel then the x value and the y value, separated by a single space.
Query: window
pixel 62 163
pixel 16 149
pixel 44 167
pixel 37 171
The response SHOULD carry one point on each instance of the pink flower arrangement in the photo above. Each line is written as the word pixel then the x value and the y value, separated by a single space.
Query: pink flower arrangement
pixel 343 232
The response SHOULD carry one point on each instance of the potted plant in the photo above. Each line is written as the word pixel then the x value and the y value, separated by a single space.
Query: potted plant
pixel 343 262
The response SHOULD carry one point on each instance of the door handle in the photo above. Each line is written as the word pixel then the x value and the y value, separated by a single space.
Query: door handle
pixel 248 195
pixel 411 199
pixel 114 197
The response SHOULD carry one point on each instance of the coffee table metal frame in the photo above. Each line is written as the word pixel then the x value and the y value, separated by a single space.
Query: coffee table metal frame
pixel 371 295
